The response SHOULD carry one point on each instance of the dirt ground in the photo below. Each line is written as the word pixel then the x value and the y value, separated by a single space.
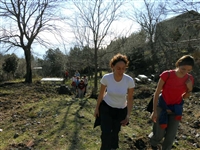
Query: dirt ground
pixel 188 133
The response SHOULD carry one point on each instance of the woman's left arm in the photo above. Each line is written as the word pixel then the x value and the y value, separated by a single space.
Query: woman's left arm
pixel 189 85
pixel 129 106
pixel 130 101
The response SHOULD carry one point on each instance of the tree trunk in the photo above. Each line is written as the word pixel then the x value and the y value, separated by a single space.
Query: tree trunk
pixel 94 91
pixel 28 78
pixel 154 56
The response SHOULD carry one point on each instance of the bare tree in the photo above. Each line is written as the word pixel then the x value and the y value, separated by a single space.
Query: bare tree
pixel 148 17
pixel 182 6
pixel 92 25
pixel 23 22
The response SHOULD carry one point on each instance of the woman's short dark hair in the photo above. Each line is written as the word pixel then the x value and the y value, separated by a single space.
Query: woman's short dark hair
pixel 119 57
pixel 185 60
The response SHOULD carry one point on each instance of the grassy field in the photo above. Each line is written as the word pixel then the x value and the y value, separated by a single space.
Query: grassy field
pixel 37 117
pixel 51 121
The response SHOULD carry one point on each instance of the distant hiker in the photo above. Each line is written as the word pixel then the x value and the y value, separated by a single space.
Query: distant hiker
pixel 66 75
pixel 85 79
pixel 114 103
pixel 168 102
pixel 73 86
pixel 81 89
pixel 74 78
pixel 77 80
pixel 77 74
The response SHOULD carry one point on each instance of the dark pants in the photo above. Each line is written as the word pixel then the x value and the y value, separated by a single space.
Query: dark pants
pixel 110 125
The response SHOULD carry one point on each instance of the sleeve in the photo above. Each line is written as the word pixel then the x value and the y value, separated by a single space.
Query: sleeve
pixel 164 75
pixel 104 80
pixel 131 83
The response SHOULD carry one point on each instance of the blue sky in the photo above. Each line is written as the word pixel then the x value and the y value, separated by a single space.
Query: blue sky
pixel 124 26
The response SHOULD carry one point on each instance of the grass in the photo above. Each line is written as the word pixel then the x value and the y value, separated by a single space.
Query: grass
pixel 38 114
pixel 52 122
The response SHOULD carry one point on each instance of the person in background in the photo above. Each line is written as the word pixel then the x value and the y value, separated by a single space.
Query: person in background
pixel 115 102
pixel 173 87
pixel 66 75
pixel 73 84
pixel 77 74
pixel 73 87
pixel 73 78
pixel 77 82
pixel 86 83
pixel 81 88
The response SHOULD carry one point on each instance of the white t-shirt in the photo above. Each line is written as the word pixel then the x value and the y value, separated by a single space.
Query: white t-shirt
pixel 85 80
pixel 116 94
pixel 74 79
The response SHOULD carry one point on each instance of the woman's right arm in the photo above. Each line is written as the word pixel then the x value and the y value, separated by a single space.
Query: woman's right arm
pixel 99 100
pixel 155 99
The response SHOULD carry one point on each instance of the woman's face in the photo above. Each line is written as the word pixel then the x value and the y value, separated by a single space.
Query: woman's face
pixel 119 68
pixel 185 69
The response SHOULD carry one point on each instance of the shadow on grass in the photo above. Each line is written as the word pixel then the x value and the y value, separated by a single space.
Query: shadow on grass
pixel 76 143
pixel 72 132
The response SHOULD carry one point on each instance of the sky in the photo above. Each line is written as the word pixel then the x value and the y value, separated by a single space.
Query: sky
pixel 119 26
pixel 124 26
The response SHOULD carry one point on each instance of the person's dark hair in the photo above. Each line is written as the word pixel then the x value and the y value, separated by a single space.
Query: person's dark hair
pixel 119 57
pixel 185 60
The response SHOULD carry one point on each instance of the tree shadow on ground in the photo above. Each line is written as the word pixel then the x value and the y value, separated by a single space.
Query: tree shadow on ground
pixel 76 142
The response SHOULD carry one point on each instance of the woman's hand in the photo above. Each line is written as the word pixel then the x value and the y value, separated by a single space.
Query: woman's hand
pixel 125 121
pixel 189 85
pixel 96 112
pixel 169 111
pixel 154 116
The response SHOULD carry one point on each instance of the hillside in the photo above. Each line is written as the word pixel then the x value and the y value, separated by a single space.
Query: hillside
pixel 36 117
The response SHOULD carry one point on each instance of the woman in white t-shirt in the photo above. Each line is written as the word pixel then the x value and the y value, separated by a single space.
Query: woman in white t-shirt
pixel 115 102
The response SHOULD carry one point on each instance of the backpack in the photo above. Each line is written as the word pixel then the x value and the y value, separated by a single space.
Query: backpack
pixel 149 107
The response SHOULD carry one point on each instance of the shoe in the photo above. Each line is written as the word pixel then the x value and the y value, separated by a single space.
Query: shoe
pixel 158 147
pixel 150 135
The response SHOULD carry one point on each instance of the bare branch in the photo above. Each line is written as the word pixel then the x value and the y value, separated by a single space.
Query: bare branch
pixel 24 22
pixel 92 22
